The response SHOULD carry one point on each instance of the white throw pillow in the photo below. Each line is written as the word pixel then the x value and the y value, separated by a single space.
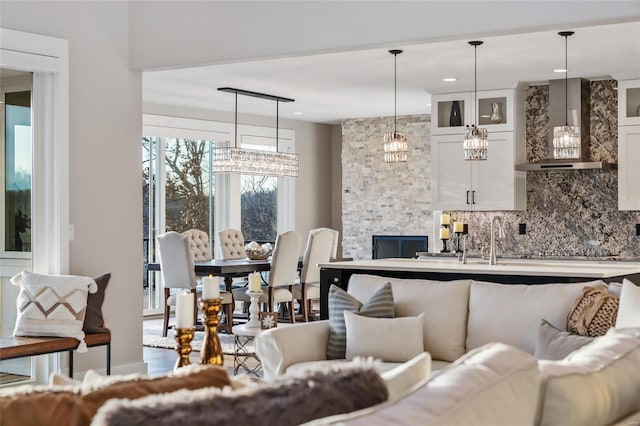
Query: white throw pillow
pixel 52 305
pixel 406 377
pixel 629 309
pixel 387 339
pixel 598 384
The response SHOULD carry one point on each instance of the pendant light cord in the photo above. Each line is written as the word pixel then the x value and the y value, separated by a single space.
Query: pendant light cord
pixel 395 90
pixel 277 121
pixel 475 82
pixel 566 72
pixel 235 142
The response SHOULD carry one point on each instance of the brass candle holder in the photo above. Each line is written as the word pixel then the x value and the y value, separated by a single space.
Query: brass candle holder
pixel 211 348
pixel 183 336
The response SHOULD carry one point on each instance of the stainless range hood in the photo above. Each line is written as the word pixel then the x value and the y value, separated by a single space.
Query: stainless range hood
pixel 577 104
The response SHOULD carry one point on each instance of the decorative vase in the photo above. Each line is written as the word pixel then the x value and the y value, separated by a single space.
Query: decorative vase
pixel 496 112
pixel 455 119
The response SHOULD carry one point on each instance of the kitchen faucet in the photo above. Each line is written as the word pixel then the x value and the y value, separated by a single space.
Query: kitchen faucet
pixel 492 250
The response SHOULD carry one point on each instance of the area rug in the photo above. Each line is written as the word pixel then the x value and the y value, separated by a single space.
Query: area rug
pixel 152 337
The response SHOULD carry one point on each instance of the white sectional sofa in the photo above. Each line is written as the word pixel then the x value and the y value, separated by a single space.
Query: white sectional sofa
pixel 461 320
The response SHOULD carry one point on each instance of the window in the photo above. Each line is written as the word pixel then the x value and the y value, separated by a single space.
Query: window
pixel 17 170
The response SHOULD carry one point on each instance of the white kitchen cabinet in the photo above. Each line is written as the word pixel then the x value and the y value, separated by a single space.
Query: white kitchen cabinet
pixel 629 167
pixel 497 110
pixel 488 185
pixel 629 103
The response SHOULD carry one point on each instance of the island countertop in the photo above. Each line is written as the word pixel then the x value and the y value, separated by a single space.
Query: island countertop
pixel 507 271
pixel 512 267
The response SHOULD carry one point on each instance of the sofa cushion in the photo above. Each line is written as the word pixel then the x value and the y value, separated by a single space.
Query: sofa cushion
pixel 406 377
pixel 493 385
pixel 555 344
pixel 380 305
pixel 594 312
pixel 512 313
pixel 444 303
pixel 629 311
pixel 283 402
pixel 597 384
pixel 387 339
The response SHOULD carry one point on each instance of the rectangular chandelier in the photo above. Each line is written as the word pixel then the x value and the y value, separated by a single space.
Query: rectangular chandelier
pixel 252 161
pixel 255 162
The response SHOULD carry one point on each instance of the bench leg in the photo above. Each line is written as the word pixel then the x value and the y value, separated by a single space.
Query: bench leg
pixel 71 363
pixel 109 359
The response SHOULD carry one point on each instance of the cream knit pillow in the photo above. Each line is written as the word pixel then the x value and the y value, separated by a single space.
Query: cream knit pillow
pixel 52 305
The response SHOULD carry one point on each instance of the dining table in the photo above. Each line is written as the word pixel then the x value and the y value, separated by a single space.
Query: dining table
pixel 227 269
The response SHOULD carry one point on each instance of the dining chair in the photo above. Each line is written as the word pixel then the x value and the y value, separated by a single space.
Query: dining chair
pixel 178 272
pixel 199 244
pixel 231 243
pixel 321 248
pixel 283 274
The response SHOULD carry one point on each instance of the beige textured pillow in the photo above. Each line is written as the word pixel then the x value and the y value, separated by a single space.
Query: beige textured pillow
pixel 629 312
pixel 594 312
pixel 387 339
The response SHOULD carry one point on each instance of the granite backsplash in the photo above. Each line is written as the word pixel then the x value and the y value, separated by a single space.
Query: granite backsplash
pixel 569 213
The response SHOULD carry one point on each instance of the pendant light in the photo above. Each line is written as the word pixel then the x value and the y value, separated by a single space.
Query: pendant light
pixel 253 161
pixel 475 143
pixel 395 143
pixel 566 139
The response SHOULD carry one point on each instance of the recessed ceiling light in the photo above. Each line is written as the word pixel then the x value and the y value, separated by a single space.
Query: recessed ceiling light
pixel 297 113
pixel 449 79
pixel 561 70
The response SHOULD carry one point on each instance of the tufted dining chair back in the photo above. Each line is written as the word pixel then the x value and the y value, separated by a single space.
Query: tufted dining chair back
pixel 231 243
pixel 199 244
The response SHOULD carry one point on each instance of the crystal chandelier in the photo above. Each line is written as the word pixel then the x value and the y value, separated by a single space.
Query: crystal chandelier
pixel 475 143
pixel 395 143
pixel 232 159
pixel 566 139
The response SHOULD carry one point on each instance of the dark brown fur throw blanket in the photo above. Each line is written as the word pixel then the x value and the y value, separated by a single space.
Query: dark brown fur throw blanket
pixel 291 401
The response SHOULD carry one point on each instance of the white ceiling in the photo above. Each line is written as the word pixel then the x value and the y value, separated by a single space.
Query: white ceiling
pixel 330 87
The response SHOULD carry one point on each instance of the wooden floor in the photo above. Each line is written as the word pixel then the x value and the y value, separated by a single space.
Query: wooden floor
pixel 161 361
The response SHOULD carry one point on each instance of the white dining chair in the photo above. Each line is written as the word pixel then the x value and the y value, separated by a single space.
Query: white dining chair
pixel 178 272
pixel 283 274
pixel 199 244
pixel 321 248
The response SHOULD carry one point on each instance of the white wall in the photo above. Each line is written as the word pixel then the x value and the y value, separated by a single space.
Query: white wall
pixel 313 144
pixel 208 32
pixel 105 122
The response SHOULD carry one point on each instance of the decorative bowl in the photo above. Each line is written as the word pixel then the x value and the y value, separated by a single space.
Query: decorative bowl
pixel 258 254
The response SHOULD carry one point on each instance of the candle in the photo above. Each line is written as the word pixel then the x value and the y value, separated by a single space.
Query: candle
pixel 444 233
pixel 184 310
pixel 458 227
pixel 255 281
pixel 210 288
pixel 445 219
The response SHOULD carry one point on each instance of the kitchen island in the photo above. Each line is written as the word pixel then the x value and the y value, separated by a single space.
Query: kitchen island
pixel 507 271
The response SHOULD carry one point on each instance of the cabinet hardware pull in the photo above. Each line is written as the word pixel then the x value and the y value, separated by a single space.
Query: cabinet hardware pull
pixel 473 197
pixel 467 197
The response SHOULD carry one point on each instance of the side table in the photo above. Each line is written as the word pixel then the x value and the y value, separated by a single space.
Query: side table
pixel 244 349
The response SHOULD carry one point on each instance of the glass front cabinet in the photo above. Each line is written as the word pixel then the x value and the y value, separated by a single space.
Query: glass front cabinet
pixel 628 145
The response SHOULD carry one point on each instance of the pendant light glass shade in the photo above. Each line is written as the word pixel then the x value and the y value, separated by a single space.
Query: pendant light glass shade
pixel 476 143
pixel 395 143
pixel 566 139
pixel 231 159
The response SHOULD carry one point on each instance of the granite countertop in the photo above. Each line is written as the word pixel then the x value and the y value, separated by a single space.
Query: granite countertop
pixel 543 257
pixel 522 267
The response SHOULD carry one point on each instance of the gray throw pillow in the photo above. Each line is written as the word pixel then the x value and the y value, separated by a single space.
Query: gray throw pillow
pixel 93 319
pixel 554 344
pixel 380 305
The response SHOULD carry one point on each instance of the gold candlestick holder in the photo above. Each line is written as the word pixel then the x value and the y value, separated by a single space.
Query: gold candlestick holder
pixel 211 348
pixel 183 336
